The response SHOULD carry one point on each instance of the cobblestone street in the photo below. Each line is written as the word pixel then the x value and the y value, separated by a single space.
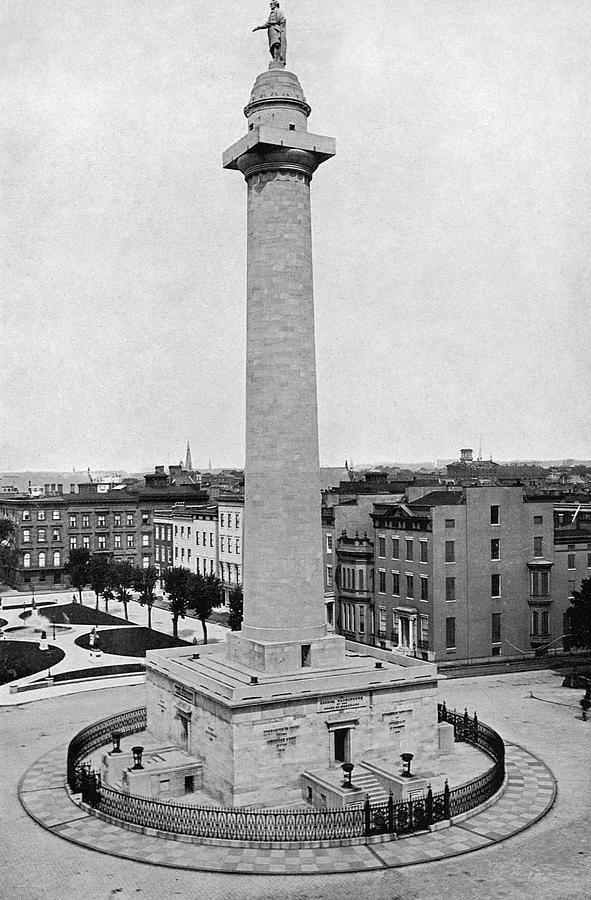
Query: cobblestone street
pixel 550 860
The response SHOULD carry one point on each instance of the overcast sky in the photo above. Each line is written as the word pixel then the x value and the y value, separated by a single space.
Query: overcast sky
pixel 451 232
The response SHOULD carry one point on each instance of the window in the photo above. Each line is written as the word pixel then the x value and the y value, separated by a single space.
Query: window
pixel 197 538
pixel 450 589
pixel 409 550
pixel 145 518
pixel 424 587
pixel 26 517
pixel 545 623
pixel 237 545
pixel 424 551
pixel 57 558
pixel 495 585
pixel 395 548
pixel 101 520
pixel 495 548
pixel 329 543
pixel 73 543
pixel 450 551
pixel 26 535
pixel 424 629
pixel 237 520
pixel 396 584
pixel 538 546
pixel 42 558
pixel 27 561
pixel 495 515
pixel 129 520
pixel 538 520
pixel 55 515
pixel 73 522
pixel 361 579
pixel 450 523
pixel 182 530
pixel 211 539
pixel 176 552
pixel 130 541
pixel 496 628
pixel 229 544
pixel 229 520
pixel 182 553
pixel 540 584
pixel 86 542
pixel 146 561
pixel 571 561
pixel 176 530
pixel 117 519
pixel 102 542
pixel 117 542
pixel 56 535
pixel 222 517
pixel 204 539
pixel 145 540
pixel 41 515
pixel 382 579
pixel 222 544
pixel 362 619
pixel 86 521
pixel 535 622
pixel 450 633
pixel 382 620
pixel 410 586
pixel 381 546
pixel 41 534
pixel 589 560
pixel 329 576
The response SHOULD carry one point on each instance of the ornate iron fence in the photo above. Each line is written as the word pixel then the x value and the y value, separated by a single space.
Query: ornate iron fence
pixel 281 825
pixel 99 734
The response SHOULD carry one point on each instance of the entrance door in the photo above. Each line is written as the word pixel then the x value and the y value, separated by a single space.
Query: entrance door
pixel 341 745
pixel 405 628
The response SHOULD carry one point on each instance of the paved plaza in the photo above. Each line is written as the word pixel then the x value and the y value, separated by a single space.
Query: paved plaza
pixel 548 860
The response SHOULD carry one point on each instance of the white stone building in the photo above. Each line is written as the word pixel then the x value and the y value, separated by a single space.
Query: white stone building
pixel 230 519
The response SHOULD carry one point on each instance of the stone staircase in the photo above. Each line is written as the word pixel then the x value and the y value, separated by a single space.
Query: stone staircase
pixel 369 785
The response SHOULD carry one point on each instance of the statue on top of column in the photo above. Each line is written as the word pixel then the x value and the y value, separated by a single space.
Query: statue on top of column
pixel 275 28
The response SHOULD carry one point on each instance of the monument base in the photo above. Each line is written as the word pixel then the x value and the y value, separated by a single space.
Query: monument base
pixel 255 732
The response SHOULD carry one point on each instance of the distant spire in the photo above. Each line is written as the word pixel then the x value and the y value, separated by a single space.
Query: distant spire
pixel 480 450
pixel 189 461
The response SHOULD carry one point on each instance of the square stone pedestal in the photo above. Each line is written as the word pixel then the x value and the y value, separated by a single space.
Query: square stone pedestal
pixel 256 731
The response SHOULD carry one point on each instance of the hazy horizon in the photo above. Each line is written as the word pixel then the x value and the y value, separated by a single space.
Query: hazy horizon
pixel 451 230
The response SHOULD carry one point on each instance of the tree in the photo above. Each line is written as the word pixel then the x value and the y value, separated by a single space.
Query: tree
pixel 176 585
pixel 145 582
pixel 99 571
pixel 236 602
pixel 579 616
pixel 8 551
pixel 123 573
pixel 205 593
pixel 77 568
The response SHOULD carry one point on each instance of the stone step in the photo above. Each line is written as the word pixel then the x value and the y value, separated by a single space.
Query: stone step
pixel 369 785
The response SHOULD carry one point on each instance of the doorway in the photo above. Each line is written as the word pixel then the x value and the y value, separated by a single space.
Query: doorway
pixel 342 745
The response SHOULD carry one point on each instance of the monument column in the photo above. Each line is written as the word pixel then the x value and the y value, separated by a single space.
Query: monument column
pixel 283 565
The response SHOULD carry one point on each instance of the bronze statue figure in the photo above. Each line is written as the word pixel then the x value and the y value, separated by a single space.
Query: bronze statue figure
pixel 275 28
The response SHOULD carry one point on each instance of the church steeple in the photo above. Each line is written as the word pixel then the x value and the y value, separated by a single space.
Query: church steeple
pixel 188 461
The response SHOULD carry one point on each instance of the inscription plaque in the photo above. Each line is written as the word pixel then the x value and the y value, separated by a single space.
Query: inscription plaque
pixel 341 702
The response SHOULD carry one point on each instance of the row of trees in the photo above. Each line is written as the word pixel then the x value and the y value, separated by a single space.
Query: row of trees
pixel 114 579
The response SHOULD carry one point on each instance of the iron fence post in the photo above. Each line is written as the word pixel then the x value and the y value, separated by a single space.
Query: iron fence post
pixel 429 806
pixel 367 816
pixel 390 814
pixel 446 814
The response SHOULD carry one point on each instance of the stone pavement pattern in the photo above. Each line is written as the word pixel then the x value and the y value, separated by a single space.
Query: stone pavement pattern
pixel 550 860
pixel 529 793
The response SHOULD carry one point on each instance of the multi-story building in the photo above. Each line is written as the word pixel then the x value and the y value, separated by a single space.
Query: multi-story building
pixel 116 520
pixel 186 536
pixel 457 575
pixel 230 521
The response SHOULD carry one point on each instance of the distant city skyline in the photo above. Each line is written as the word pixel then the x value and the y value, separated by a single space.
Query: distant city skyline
pixel 450 231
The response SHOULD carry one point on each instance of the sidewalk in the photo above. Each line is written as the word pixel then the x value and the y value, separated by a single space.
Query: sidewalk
pixel 529 794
